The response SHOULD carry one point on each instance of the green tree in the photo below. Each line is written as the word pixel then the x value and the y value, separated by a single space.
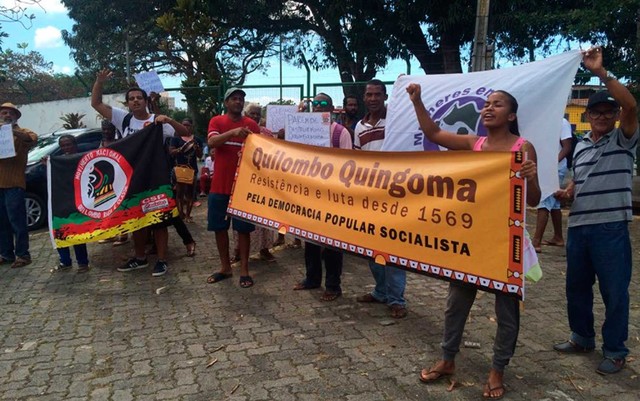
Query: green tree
pixel 202 41
pixel 357 37
pixel 205 48
pixel 28 77
pixel 73 120
pixel 105 29
pixel 15 11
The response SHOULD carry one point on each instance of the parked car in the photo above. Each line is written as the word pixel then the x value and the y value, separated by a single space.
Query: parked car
pixel 36 172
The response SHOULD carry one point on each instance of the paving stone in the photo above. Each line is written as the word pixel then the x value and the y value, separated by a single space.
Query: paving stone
pixel 122 395
pixel 124 342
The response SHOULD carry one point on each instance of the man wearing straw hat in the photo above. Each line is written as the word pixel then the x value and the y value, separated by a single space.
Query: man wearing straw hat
pixel 14 235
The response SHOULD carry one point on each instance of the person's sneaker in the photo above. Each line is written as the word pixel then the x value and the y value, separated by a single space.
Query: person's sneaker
pixel 160 269
pixel 569 347
pixel 134 264
pixel 62 267
pixel 610 365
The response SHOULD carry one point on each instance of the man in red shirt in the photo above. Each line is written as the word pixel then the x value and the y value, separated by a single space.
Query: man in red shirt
pixel 226 134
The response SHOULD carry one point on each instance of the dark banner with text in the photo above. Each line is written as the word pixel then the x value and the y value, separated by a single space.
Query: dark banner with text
pixel 109 191
pixel 452 215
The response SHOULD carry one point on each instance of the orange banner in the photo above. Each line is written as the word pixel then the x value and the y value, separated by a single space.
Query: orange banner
pixel 452 215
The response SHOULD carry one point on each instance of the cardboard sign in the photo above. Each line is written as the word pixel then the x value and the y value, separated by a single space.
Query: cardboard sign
pixel 7 147
pixel 308 128
pixel 277 114
pixel 149 81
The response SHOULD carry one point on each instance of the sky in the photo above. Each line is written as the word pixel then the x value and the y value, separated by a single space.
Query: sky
pixel 43 35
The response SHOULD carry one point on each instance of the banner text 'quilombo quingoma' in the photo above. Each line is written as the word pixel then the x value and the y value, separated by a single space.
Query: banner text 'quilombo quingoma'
pixel 350 173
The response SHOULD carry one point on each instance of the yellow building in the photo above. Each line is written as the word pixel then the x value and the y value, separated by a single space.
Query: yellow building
pixel 577 105
pixel 574 112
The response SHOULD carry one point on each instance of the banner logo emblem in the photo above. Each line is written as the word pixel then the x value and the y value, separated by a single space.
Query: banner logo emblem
pixel 101 182
pixel 460 115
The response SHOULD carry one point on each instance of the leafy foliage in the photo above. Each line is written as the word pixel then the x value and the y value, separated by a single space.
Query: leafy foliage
pixel 72 120
pixel 28 77
pixel 16 11
pixel 202 41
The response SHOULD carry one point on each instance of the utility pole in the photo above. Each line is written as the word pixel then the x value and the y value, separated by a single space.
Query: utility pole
pixel 479 55
pixel 280 52
pixel 126 52
pixel 638 80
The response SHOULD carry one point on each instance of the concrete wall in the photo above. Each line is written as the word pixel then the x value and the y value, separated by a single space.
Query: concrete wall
pixel 44 117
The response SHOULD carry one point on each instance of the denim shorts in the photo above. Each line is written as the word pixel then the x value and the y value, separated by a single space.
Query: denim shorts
pixel 219 220
pixel 550 202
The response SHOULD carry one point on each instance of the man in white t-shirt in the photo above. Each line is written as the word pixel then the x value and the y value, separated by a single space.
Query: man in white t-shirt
pixel 129 123
pixel 369 135
pixel 551 205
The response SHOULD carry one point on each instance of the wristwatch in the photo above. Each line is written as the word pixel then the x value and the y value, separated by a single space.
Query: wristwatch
pixel 610 76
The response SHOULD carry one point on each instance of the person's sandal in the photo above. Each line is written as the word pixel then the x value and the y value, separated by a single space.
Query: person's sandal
pixel 330 296
pixel 217 277
pixel 304 286
pixel 191 249
pixel 246 281
pixel 436 374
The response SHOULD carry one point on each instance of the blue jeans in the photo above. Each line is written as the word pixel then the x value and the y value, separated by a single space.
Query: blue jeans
pixel 602 251
pixel 13 223
pixel 313 256
pixel 390 284
pixel 81 255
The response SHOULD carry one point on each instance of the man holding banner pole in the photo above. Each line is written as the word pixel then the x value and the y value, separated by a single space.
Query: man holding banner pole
pixel 130 122
pixel 598 243
pixel 369 135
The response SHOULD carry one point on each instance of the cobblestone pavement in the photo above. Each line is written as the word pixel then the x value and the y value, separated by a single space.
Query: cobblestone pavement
pixel 115 336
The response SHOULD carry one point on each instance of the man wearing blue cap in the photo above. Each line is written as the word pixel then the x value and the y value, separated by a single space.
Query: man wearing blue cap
pixel 598 243
pixel 226 134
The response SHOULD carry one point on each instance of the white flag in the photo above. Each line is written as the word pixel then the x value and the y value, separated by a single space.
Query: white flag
pixel 454 102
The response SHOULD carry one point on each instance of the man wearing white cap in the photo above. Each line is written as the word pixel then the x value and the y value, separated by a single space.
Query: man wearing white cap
pixel 13 213
pixel 226 134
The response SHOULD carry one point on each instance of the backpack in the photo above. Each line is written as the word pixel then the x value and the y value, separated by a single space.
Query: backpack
pixel 125 124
